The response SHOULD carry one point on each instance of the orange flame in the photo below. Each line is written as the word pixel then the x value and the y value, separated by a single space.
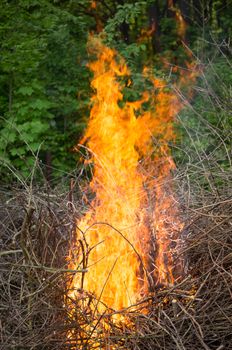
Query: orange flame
pixel 133 224
pixel 93 4
pixel 181 24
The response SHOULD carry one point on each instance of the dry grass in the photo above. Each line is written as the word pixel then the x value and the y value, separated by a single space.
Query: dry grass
pixel 36 230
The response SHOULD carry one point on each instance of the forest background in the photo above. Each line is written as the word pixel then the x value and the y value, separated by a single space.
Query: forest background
pixel 45 82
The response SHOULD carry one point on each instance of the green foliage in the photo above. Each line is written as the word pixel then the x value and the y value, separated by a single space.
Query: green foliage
pixel 127 13
pixel 40 80
pixel 45 84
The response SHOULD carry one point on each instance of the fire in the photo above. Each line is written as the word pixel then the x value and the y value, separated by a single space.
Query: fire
pixel 132 226
pixel 115 224
pixel 93 4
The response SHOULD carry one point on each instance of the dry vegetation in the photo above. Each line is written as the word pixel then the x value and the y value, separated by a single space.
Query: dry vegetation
pixel 36 230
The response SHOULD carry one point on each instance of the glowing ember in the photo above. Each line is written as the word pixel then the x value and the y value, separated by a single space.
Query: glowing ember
pixel 132 226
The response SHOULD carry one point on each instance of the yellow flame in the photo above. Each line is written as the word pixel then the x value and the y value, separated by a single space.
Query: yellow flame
pixel 133 224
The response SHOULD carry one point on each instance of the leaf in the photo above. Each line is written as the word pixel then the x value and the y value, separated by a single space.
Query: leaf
pixel 18 151
pixel 26 90
pixel 34 146
pixel 26 137
pixel 11 136
pixel 41 104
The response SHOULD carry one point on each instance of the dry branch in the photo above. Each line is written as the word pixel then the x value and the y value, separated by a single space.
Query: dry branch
pixel 194 314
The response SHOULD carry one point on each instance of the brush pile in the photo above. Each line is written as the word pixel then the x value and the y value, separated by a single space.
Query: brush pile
pixel 36 231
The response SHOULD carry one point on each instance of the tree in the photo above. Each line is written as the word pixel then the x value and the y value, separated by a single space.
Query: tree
pixel 42 70
pixel 44 81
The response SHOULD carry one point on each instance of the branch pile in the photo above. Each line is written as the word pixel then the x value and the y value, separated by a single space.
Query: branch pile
pixel 36 231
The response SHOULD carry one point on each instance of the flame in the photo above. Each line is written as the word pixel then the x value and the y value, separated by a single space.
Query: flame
pixel 93 4
pixel 181 23
pixel 181 29
pixel 115 225
pixel 132 226
pixel 146 34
